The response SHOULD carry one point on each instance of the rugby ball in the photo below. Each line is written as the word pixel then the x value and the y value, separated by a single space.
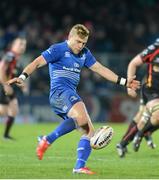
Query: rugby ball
pixel 101 137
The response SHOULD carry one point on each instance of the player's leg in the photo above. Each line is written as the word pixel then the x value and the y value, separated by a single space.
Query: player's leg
pixel 133 126
pixel 147 97
pixel 147 135
pixel 61 103
pixel 3 102
pixel 130 133
pixel 153 129
pixel 153 106
pixel 65 127
pixel 150 142
pixel 13 110
pixel 76 117
pixel 79 113
pixel 4 109
pixel 149 139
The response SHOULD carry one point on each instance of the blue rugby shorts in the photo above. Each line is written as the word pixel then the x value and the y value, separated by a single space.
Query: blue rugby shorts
pixel 61 101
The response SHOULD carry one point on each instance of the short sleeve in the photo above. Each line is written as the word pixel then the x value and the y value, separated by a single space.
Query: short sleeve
pixel 52 54
pixel 90 59
pixel 147 53
pixel 8 57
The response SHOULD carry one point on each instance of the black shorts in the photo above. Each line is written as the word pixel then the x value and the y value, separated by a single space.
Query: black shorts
pixel 3 98
pixel 149 94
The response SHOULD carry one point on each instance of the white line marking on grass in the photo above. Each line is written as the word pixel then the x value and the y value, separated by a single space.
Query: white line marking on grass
pixel 48 157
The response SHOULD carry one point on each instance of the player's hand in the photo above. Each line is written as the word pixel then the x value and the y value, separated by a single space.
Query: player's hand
pixel 8 89
pixel 18 81
pixel 131 92
pixel 132 83
pixel 25 89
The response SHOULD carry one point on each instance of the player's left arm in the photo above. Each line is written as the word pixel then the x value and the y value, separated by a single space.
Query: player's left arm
pixel 113 77
pixel 104 72
pixel 35 64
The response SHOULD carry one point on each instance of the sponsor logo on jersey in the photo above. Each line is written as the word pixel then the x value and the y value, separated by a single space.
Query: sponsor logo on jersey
pixel 67 54
pixel 73 98
pixel 76 65
pixel 71 69
pixel 83 57
pixel 65 108
pixel 48 50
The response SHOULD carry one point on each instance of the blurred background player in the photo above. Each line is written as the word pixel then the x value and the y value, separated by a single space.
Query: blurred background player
pixel 65 60
pixel 149 113
pixel 8 70
pixel 137 123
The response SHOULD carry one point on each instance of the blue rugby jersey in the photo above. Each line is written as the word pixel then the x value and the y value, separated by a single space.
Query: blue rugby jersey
pixel 65 66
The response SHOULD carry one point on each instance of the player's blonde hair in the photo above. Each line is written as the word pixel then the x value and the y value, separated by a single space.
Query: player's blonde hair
pixel 80 30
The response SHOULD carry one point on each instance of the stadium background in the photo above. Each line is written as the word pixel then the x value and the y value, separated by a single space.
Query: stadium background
pixel 119 30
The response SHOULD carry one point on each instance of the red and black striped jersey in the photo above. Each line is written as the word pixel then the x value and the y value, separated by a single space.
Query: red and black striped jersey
pixel 11 59
pixel 150 55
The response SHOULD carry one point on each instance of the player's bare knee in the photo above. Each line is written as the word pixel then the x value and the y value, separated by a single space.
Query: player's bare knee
pixel 146 115
pixel 85 128
pixel 81 120
pixel 13 113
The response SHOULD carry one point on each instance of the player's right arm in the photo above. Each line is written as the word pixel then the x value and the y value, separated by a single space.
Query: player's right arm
pixel 37 63
pixel 132 68
pixel 133 65
pixel 28 70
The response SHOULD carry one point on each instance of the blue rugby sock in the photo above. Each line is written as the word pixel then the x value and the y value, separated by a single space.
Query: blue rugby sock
pixel 83 152
pixel 65 127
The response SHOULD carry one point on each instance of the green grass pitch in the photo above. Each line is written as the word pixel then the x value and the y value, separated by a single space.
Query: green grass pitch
pixel 18 159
